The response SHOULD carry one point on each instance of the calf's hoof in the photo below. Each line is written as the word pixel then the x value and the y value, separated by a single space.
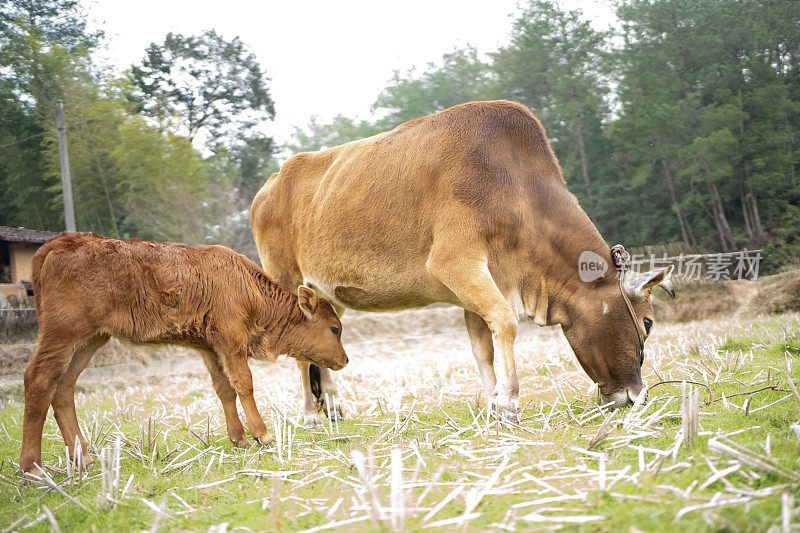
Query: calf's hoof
pixel 30 466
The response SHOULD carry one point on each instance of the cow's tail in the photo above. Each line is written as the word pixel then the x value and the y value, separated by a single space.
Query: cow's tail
pixel 36 268
pixel 316 383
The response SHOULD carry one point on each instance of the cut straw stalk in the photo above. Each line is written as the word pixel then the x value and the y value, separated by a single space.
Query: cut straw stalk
pixel 562 519
pixel 690 413
pixel 719 502
pixel 397 494
pixel 727 447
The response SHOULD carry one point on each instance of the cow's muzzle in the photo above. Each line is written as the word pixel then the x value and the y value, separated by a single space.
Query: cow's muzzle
pixel 623 397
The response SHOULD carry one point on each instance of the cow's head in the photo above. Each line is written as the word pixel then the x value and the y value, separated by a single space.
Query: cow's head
pixel 602 332
pixel 318 339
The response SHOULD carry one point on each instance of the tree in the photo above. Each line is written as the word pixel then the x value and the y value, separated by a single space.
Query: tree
pixel 44 49
pixel 162 184
pixel 203 83
pixel 713 112
pixel 340 130
pixel 461 77
pixel 556 64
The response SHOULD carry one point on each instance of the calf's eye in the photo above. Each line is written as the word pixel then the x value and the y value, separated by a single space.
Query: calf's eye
pixel 335 330
pixel 648 323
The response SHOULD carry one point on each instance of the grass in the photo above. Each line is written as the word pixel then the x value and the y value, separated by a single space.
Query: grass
pixel 419 450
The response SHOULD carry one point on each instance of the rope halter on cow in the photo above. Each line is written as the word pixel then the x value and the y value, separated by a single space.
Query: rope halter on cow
pixel 622 260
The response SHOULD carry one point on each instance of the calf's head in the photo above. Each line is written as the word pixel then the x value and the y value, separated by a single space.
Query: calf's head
pixel 318 338
pixel 602 332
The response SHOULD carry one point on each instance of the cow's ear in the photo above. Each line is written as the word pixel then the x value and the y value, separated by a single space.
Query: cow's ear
pixel 308 301
pixel 640 285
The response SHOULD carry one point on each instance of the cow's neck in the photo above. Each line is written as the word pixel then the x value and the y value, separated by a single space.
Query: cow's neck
pixel 555 277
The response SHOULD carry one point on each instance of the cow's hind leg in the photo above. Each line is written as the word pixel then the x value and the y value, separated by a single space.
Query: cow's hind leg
pixel 227 395
pixel 329 394
pixel 319 389
pixel 312 390
pixel 470 280
pixel 480 337
pixel 327 386
pixel 41 379
pixel 64 396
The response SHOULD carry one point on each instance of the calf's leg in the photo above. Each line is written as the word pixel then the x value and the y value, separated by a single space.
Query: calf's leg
pixel 41 379
pixel 470 280
pixel 235 364
pixel 227 395
pixel 64 397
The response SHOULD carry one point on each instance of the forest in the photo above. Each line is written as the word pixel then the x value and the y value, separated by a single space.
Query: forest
pixel 680 125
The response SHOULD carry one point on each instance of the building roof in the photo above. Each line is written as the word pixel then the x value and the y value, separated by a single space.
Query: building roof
pixel 25 235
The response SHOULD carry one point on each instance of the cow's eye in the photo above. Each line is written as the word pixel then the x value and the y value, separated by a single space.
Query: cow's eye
pixel 648 323
pixel 335 330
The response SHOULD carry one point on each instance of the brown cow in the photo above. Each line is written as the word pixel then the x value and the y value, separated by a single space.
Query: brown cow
pixel 468 207
pixel 210 298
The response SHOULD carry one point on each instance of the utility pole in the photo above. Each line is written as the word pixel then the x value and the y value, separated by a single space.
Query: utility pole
pixel 66 183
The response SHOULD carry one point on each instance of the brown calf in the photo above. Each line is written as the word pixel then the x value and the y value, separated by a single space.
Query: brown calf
pixel 89 288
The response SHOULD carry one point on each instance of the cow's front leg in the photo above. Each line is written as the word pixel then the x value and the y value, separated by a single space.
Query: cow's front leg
pixel 480 337
pixel 505 397
pixel 470 280
pixel 235 364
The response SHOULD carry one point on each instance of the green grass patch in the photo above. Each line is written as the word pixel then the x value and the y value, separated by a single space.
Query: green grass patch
pixel 541 474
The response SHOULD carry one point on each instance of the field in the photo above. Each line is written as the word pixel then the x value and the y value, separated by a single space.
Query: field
pixel 418 450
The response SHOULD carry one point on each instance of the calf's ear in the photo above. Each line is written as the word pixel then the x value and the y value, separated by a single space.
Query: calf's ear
pixel 308 301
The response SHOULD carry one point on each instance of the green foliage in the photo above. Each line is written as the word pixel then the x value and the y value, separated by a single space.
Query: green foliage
pixel 340 130
pixel 672 131
pixel 669 130
pixel 44 47
pixel 162 185
pixel 557 64
pixel 132 176
pixel 461 77
pixel 203 82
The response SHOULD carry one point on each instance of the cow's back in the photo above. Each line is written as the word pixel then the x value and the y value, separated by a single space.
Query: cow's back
pixel 358 221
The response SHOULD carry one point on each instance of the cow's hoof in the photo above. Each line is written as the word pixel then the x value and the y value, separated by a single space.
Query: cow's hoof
pixel 265 440
pixel 507 417
pixel 337 415
pixel 312 423
pixel 241 442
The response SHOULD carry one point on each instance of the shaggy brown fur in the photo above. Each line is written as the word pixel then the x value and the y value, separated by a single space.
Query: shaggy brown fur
pixel 88 289
pixel 469 207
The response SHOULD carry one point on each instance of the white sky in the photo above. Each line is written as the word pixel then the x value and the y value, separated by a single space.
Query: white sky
pixel 324 57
